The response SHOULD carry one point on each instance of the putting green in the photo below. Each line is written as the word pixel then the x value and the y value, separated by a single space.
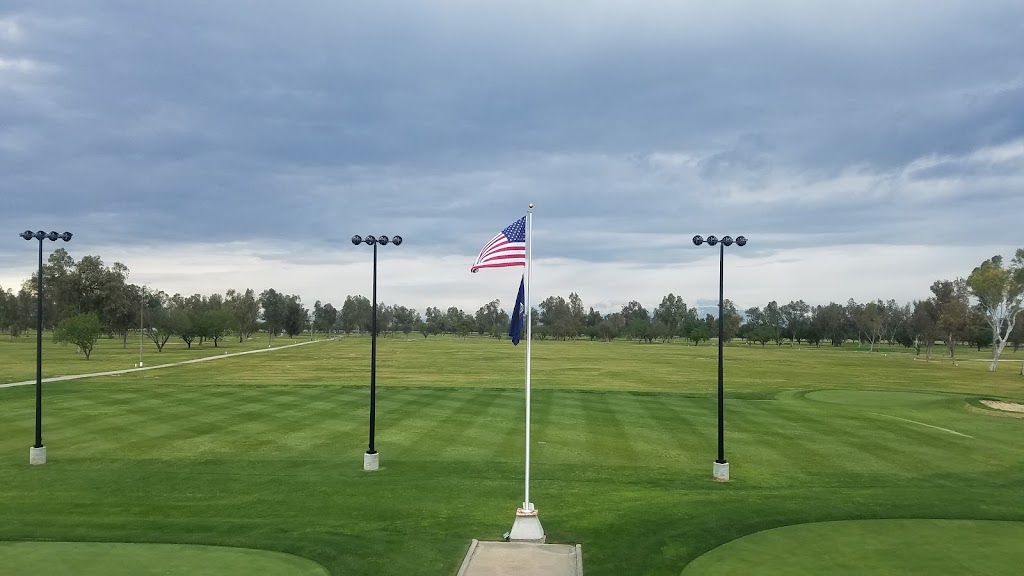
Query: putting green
pixel 117 559
pixel 877 547
pixel 873 398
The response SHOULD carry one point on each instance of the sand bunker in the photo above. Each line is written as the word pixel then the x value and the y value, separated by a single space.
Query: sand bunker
pixel 1005 406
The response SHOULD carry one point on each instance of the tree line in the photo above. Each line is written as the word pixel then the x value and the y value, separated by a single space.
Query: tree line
pixel 85 299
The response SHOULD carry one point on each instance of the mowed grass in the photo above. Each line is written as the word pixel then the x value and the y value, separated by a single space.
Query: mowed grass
pixel 114 559
pixel 878 547
pixel 585 365
pixel 265 451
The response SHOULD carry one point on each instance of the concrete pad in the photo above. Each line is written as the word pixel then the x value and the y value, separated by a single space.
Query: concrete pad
pixel 527 527
pixel 721 471
pixel 371 461
pixel 522 559
pixel 37 456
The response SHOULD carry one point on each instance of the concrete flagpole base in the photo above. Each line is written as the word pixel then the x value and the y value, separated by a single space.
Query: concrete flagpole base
pixel 721 471
pixel 371 461
pixel 37 455
pixel 527 527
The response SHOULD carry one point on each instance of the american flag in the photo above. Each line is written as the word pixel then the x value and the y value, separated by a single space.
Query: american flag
pixel 508 248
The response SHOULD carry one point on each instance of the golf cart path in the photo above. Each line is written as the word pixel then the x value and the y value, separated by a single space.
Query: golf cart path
pixel 182 363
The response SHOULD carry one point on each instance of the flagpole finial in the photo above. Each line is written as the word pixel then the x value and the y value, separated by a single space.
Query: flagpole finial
pixel 531 205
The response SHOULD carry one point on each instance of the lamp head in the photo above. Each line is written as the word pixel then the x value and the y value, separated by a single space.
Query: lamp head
pixel 741 240
pixel 396 240
pixel 712 240
pixel 383 240
pixel 357 239
pixel 370 240
pixel 66 236
pixel 27 235
pixel 40 235
pixel 53 236
pixel 698 240
pixel 727 240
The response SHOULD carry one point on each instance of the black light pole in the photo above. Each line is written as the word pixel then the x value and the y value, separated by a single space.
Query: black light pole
pixel 37 454
pixel 721 471
pixel 371 460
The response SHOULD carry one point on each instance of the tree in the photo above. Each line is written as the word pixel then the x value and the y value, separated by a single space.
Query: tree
pixel 158 321
pixel 1016 336
pixel 762 334
pixel 733 320
pixel 487 317
pixel 577 317
pixel 611 326
pixel 981 332
pixel 899 328
pixel 660 331
pixel 243 311
pixel 925 322
pixel 82 330
pixel 754 318
pixel 434 323
pixel 794 317
pixel 356 314
pixel 634 310
pixel 275 311
pixel 812 330
pixel 120 305
pixel 774 322
pixel 954 313
pixel 212 319
pixel 329 318
pixel 673 313
pixel 592 321
pixel 404 319
pixel 557 319
pixel 296 316
pixel 182 314
pixel 699 332
pixel 831 323
pixel 870 321
pixel 9 312
pixel 641 329
pixel 1000 291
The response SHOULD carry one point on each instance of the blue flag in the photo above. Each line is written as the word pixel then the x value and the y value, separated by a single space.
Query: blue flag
pixel 515 328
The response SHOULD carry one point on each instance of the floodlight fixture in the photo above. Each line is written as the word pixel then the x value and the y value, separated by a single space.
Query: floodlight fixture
pixel 371 459
pixel 37 454
pixel 721 467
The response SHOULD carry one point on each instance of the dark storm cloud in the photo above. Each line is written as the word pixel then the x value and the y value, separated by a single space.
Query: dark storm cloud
pixel 631 125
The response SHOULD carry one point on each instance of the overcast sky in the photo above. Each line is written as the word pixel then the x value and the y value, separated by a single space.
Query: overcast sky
pixel 865 148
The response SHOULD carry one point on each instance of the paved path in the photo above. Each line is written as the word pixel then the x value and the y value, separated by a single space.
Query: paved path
pixel 522 559
pixel 182 363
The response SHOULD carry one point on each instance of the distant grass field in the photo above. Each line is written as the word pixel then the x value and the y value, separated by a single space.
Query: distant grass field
pixel 18 355
pixel 264 451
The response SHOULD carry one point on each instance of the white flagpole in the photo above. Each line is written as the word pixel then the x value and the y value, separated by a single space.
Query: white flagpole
pixel 527 505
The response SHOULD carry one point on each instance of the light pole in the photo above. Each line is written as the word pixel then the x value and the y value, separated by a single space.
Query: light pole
pixel 37 454
pixel 371 460
pixel 142 321
pixel 721 469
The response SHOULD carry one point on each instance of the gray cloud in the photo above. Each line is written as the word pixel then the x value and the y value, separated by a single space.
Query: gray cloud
pixel 632 125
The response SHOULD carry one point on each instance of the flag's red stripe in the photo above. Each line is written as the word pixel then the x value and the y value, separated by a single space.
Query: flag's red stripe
pixel 505 254
pixel 506 249
pixel 501 265
pixel 504 257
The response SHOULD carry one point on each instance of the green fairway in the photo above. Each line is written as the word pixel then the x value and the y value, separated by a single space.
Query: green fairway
pixel 265 451
pixel 879 547
pixel 105 559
